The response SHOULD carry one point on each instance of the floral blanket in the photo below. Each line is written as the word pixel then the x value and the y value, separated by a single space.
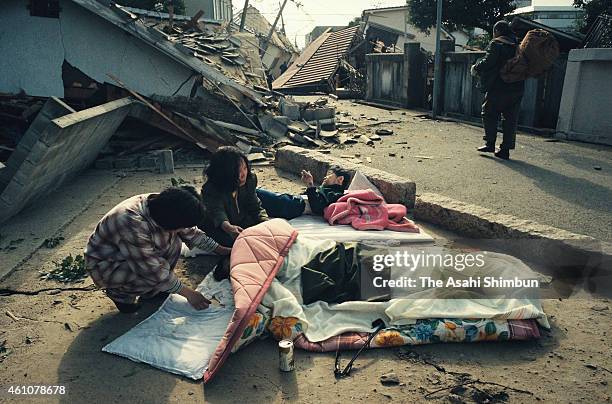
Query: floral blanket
pixel 425 331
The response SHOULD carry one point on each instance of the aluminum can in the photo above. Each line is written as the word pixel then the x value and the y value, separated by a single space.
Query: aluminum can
pixel 285 355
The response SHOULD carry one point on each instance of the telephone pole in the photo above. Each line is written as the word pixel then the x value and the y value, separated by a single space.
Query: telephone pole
pixel 267 41
pixel 437 64
pixel 244 14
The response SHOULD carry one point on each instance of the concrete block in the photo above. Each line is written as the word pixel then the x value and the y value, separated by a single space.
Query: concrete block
pixel 289 109
pixel 317 114
pixel 273 127
pixel 395 189
pixel 166 162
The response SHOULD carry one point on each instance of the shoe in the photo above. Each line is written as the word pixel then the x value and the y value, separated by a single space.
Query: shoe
pixel 486 149
pixel 127 308
pixel 503 154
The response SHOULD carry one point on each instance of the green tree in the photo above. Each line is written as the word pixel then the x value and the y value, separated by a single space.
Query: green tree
pixel 355 21
pixel 459 13
pixel 179 5
pixel 592 9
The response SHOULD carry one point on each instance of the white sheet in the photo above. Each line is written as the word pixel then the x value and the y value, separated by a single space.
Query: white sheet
pixel 316 227
pixel 177 338
pixel 321 320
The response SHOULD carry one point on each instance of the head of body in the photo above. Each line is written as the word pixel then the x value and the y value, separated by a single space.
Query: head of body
pixel 176 208
pixel 337 176
pixel 502 28
pixel 229 169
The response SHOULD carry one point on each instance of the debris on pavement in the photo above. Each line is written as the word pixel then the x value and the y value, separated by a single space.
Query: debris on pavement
pixel 390 378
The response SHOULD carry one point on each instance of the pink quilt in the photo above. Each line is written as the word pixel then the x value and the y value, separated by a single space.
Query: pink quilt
pixel 366 210
pixel 258 253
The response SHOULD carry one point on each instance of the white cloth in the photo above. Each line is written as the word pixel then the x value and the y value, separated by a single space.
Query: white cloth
pixel 316 227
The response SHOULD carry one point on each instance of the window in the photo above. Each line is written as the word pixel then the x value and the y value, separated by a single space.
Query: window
pixel 44 8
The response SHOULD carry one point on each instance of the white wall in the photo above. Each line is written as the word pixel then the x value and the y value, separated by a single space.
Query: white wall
pixel 31 59
pixel 33 49
pixel 586 107
pixel 396 19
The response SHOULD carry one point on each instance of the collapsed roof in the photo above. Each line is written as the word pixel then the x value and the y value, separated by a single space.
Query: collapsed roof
pixel 315 68
pixel 224 75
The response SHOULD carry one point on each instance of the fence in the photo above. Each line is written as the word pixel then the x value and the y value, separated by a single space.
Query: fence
pixel 541 101
pixel 397 79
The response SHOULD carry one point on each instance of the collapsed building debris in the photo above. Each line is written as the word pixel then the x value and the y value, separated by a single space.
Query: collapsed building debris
pixel 194 86
pixel 278 52
pixel 316 68
pixel 59 143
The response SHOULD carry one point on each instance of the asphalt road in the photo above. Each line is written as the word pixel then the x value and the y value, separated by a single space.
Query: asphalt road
pixel 559 183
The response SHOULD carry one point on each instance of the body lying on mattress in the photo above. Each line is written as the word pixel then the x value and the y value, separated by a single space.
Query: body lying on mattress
pixel 276 288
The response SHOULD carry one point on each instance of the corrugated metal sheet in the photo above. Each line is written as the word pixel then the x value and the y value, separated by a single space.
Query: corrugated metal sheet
pixel 325 53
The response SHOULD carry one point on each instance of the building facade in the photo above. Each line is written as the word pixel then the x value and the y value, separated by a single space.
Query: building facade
pixel 563 18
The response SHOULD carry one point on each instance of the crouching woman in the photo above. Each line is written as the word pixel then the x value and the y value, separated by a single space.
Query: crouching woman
pixel 134 248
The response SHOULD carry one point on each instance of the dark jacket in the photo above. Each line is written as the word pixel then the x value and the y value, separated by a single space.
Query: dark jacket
pixel 322 196
pixel 244 211
pixel 499 51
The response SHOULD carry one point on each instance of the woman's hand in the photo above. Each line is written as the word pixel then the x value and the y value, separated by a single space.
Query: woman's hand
pixel 230 229
pixel 223 250
pixel 195 298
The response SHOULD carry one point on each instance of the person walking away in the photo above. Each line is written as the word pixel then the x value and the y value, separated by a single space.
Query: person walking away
pixel 500 98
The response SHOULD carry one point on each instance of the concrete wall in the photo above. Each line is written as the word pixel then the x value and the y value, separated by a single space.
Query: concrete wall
pixel 33 49
pixel 65 146
pixel 586 105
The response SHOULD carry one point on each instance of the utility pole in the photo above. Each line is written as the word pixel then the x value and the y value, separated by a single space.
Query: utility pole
pixel 438 63
pixel 265 44
pixel 244 14
pixel 282 22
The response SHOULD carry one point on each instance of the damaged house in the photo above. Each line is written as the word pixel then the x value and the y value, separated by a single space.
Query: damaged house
pixel 391 26
pixel 322 66
pixel 278 51
pixel 201 85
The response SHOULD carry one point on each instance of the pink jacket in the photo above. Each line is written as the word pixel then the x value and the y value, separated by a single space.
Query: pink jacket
pixel 365 210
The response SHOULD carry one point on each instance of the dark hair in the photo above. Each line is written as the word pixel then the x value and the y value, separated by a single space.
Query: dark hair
pixel 224 168
pixel 176 208
pixel 340 172
pixel 502 27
